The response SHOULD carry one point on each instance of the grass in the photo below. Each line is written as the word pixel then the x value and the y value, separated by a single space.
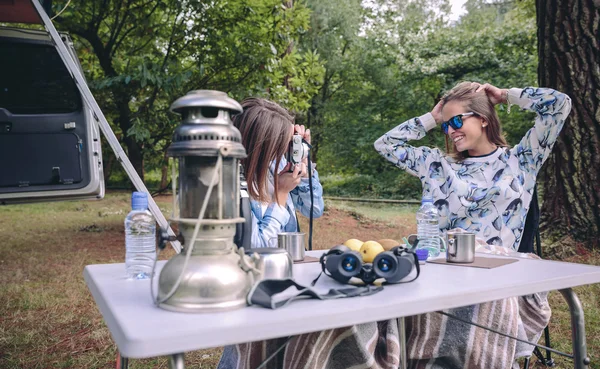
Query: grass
pixel 382 213
pixel 48 318
pixel 560 325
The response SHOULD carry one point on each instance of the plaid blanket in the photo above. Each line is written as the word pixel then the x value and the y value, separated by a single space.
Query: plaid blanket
pixel 434 340
pixel 371 345
pixel 438 341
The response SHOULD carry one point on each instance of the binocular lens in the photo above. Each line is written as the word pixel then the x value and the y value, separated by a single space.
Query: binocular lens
pixel 384 265
pixel 349 263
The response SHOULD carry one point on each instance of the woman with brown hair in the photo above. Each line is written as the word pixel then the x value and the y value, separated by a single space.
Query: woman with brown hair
pixel 481 185
pixel 277 188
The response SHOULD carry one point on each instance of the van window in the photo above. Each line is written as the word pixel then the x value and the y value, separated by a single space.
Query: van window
pixel 34 80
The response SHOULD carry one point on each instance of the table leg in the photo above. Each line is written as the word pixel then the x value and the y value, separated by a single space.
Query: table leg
pixel 402 337
pixel 580 358
pixel 176 361
pixel 122 362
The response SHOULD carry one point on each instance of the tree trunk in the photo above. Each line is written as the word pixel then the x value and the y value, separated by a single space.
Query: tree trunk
pixel 164 172
pixel 108 164
pixel 134 149
pixel 315 115
pixel 569 61
pixel 315 123
pixel 121 98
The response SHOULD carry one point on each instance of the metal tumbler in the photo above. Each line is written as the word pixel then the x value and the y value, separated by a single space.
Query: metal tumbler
pixel 461 248
pixel 293 243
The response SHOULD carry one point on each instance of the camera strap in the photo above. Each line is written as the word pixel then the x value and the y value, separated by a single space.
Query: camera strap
pixel 276 293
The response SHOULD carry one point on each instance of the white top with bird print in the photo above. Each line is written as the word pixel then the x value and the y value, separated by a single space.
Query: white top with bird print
pixel 488 195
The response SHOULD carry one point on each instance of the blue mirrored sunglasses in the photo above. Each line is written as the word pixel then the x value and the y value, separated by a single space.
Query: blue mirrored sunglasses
pixel 456 122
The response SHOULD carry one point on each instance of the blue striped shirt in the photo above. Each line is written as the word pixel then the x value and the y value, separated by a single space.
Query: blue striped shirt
pixel 270 219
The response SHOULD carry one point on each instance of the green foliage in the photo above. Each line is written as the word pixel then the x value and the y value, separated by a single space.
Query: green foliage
pixel 350 70
pixel 387 185
pixel 305 76
pixel 139 57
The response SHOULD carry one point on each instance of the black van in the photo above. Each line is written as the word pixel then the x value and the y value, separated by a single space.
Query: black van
pixel 49 141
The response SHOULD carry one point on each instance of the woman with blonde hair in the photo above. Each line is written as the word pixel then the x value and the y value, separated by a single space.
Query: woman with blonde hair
pixel 482 186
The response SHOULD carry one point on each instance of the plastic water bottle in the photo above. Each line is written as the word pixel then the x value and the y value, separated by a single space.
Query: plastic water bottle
pixel 140 238
pixel 428 227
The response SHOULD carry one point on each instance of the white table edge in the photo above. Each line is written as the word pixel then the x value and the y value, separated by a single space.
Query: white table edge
pixel 133 350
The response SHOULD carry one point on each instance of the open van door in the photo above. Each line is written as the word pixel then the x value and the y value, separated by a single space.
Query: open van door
pixel 49 140
pixel 49 119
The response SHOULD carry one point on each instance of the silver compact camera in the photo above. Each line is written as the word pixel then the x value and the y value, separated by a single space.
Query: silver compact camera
pixel 298 150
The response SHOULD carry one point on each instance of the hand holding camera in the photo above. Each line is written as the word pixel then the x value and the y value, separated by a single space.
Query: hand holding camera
pixel 299 148
pixel 302 131
pixel 288 179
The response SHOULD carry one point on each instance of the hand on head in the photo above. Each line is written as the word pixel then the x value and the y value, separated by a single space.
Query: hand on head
pixel 437 112
pixel 496 95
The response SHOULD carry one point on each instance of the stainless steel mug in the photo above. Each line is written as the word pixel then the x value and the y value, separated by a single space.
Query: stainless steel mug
pixel 461 247
pixel 293 243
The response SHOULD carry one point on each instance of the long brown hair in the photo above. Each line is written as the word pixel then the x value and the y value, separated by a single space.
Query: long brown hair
pixel 266 134
pixel 481 105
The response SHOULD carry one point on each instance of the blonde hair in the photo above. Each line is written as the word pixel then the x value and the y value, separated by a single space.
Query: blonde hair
pixel 480 104
pixel 266 134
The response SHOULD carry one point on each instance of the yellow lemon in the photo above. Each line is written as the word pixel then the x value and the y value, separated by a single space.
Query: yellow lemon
pixel 388 243
pixel 369 250
pixel 354 244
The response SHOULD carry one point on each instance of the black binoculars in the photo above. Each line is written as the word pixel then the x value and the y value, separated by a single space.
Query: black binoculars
pixel 343 264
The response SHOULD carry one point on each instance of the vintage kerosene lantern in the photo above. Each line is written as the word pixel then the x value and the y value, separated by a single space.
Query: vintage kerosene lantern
pixel 209 274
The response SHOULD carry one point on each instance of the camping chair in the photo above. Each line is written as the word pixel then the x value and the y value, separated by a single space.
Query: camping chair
pixel 531 231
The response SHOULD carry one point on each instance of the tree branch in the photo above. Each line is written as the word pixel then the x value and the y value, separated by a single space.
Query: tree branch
pixel 116 29
pixel 119 41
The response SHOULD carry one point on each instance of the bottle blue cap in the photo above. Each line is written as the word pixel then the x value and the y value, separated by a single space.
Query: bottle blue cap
pixel 422 254
pixel 426 199
pixel 139 201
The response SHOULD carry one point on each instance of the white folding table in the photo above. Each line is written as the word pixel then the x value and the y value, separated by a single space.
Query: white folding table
pixel 141 330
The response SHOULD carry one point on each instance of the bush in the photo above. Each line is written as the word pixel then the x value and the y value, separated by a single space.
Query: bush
pixel 387 185
pixel 120 180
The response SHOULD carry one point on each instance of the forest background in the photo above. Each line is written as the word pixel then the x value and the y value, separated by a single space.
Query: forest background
pixel 350 70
